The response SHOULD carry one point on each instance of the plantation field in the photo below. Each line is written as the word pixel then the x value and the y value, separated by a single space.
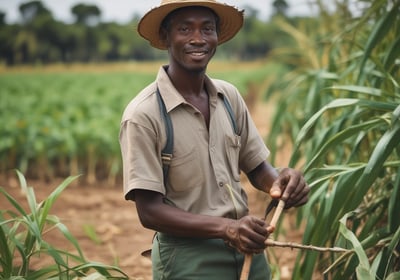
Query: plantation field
pixel 60 121
pixel 57 122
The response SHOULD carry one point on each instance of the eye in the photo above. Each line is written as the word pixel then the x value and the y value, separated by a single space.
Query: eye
pixel 209 29
pixel 183 29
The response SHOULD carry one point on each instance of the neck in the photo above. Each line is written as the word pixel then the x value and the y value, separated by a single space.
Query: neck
pixel 187 82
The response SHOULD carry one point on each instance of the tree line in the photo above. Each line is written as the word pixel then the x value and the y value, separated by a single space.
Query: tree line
pixel 40 38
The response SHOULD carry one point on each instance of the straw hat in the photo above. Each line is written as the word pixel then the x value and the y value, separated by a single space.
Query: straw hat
pixel 230 19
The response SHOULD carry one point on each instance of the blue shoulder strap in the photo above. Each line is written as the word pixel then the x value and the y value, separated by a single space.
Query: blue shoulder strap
pixel 167 152
pixel 231 114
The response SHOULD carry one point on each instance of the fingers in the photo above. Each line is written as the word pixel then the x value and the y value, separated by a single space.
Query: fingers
pixel 252 233
pixel 248 235
pixel 275 191
pixel 299 198
pixel 293 186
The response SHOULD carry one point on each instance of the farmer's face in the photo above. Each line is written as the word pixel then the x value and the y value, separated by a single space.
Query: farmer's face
pixel 191 38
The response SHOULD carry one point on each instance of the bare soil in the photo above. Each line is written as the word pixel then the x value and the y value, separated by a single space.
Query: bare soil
pixel 121 238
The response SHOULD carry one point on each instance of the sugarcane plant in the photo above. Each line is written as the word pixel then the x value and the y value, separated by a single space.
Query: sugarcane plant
pixel 23 239
pixel 340 110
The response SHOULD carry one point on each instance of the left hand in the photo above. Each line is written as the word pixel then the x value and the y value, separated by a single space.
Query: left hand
pixel 291 187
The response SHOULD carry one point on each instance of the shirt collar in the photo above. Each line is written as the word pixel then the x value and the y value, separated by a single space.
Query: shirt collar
pixel 172 98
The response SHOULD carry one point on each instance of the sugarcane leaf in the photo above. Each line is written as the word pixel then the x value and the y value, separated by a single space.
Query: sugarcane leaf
pixel 30 195
pixel 392 54
pixel 385 146
pixel 396 115
pixel 381 29
pixel 338 138
pixel 337 103
pixel 394 205
pixel 394 276
pixel 392 246
pixel 64 230
pixel 5 253
pixel 13 202
pixel 46 272
pixel 359 89
pixel 363 269
pixel 50 200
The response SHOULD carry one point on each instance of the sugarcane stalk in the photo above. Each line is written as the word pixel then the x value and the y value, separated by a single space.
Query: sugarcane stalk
pixel 274 243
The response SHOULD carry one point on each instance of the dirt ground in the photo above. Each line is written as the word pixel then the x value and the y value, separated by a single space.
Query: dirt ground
pixel 115 221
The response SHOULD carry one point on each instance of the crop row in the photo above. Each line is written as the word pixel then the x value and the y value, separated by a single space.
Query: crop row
pixel 67 123
pixel 58 124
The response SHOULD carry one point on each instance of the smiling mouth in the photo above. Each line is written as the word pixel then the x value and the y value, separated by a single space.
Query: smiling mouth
pixel 198 53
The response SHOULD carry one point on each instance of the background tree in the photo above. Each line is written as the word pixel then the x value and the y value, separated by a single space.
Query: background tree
pixel 280 7
pixel 2 18
pixel 86 14
pixel 40 38
pixel 87 17
pixel 31 10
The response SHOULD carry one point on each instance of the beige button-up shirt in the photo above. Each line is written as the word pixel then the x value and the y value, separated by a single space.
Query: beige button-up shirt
pixel 204 174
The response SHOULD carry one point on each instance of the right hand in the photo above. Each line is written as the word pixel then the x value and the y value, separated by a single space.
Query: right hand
pixel 247 234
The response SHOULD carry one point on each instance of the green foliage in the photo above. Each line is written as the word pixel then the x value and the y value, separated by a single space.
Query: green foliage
pixel 340 110
pixel 22 238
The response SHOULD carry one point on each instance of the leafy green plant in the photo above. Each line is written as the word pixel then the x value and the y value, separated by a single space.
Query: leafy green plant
pixel 22 238
pixel 341 112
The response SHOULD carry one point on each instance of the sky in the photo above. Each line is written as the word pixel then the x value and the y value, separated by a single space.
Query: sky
pixel 122 11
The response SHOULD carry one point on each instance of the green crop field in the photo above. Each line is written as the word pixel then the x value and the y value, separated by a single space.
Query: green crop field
pixel 59 122
pixel 336 107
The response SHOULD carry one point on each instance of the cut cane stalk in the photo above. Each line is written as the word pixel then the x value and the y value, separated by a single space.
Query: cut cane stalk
pixel 246 267
pixel 272 243
pixel 292 245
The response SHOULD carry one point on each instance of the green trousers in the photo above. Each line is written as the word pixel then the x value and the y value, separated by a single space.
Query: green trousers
pixel 176 258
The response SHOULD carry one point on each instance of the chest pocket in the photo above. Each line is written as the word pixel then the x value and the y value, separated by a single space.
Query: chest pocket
pixel 232 147
pixel 167 152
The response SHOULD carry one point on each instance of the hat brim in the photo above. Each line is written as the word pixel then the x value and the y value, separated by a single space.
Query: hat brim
pixel 230 20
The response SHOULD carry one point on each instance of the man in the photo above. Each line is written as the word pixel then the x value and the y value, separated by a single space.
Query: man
pixel 200 211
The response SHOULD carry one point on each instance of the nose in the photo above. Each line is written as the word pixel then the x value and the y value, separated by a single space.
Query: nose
pixel 197 37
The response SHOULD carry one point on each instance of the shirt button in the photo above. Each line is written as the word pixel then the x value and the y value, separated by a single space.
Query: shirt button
pixel 221 184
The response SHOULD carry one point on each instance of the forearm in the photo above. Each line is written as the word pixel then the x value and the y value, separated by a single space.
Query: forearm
pixel 156 215
pixel 247 234
pixel 263 176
